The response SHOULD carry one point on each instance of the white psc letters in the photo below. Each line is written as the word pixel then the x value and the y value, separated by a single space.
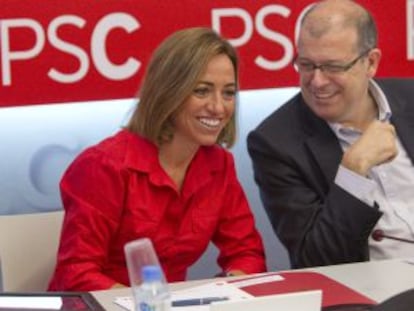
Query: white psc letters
pixel 98 55
pixel 98 52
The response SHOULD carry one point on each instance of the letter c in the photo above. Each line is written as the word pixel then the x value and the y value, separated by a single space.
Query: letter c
pixel 98 51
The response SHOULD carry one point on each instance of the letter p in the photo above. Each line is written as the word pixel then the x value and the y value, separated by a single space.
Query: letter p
pixel 218 14
pixel 6 55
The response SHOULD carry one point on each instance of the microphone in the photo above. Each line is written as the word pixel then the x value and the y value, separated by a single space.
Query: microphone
pixel 378 235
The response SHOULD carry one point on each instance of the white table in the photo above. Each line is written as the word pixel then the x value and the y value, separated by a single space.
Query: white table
pixel 378 280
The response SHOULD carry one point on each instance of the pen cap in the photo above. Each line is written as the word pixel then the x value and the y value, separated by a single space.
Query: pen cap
pixel 139 254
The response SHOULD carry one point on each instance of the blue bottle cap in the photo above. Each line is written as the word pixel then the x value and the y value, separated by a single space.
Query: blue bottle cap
pixel 151 273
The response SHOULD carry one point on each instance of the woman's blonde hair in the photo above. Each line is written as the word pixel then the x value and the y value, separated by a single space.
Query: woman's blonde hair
pixel 172 74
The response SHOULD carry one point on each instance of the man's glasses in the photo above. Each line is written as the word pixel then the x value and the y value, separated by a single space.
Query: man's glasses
pixel 305 66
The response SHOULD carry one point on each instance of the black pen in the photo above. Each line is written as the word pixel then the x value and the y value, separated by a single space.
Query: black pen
pixel 197 301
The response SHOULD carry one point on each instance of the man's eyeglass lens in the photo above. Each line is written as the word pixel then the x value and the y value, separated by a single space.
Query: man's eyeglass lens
pixel 303 66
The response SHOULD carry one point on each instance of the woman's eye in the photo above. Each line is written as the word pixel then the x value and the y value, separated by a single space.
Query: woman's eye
pixel 229 94
pixel 201 91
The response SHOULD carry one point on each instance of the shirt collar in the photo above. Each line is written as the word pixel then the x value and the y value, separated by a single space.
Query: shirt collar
pixel 141 154
pixel 384 110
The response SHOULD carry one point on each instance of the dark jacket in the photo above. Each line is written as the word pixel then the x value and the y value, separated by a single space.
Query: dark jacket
pixel 295 158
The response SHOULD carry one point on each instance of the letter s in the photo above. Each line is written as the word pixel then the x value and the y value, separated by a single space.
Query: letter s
pixel 273 36
pixel 69 48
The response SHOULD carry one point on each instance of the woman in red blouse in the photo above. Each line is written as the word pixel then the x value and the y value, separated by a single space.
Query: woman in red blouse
pixel 166 176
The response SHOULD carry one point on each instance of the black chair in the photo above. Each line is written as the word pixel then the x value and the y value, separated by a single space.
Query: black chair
pixel 401 302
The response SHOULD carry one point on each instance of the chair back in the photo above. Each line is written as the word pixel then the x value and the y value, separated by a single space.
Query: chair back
pixel 403 301
pixel 28 248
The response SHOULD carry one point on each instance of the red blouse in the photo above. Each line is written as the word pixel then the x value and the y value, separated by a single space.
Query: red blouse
pixel 116 192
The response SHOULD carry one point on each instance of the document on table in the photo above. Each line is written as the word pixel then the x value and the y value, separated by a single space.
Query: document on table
pixel 214 289
pixel 28 302
pixel 410 261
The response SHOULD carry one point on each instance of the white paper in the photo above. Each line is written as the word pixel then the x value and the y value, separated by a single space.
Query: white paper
pixel 258 280
pixel 25 302
pixel 214 289
pixel 125 302
pixel 410 261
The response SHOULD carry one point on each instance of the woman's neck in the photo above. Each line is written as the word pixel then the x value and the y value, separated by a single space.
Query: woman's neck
pixel 175 160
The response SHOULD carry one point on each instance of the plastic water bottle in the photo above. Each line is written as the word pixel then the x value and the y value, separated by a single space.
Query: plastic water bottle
pixel 153 294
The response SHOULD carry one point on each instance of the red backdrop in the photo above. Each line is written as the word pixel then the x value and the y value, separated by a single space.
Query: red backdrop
pixel 59 51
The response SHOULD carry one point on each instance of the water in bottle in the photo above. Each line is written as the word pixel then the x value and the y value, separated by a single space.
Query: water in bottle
pixel 153 294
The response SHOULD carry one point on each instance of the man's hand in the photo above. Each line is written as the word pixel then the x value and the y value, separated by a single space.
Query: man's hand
pixel 376 146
